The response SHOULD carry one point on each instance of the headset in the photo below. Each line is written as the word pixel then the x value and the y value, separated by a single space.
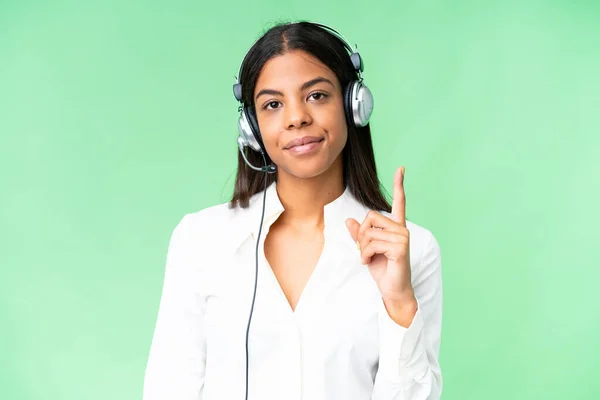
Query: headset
pixel 358 107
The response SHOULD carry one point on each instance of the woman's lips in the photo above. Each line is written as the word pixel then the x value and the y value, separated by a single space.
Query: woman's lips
pixel 307 148
pixel 302 141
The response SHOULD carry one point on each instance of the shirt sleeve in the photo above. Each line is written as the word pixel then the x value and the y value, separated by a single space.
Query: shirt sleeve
pixel 409 357
pixel 176 363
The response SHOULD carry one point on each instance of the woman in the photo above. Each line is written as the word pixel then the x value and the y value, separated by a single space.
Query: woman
pixel 341 297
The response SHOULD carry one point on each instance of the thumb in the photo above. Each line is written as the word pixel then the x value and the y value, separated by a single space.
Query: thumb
pixel 353 227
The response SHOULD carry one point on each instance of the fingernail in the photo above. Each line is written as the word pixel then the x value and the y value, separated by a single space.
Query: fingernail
pixel 402 170
pixel 357 245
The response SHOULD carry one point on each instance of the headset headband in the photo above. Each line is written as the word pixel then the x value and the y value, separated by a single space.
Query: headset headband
pixel 354 57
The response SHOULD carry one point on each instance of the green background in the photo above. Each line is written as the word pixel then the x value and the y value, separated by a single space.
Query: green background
pixel 117 118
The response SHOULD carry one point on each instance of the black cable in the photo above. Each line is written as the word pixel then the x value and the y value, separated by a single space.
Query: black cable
pixel 256 271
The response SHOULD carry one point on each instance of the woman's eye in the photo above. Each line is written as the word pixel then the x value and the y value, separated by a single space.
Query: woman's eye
pixel 272 105
pixel 318 96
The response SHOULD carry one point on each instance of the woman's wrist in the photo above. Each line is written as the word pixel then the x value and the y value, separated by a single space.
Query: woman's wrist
pixel 402 311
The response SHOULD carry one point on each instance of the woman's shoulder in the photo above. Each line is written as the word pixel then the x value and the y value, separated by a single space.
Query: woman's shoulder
pixel 214 216
pixel 214 224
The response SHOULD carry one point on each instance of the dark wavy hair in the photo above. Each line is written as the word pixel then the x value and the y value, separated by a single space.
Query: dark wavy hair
pixel 359 169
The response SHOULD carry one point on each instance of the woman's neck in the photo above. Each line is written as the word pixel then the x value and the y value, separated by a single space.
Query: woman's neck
pixel 304 199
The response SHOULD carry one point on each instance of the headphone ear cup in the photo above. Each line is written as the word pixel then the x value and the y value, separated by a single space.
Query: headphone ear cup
pixel 348 102
pixel 252 119
pixel 358 104
pixel 253 123
pixel 248 131
pixel 362 105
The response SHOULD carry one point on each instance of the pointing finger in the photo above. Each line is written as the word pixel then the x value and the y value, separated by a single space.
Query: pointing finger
pixel 399 199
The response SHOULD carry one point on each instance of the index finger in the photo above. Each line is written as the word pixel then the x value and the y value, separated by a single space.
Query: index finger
pixel 399 200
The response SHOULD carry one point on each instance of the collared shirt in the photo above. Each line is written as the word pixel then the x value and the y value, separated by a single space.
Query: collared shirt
pixel 338 343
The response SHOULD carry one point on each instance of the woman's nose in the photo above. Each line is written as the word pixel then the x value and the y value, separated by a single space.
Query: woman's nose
pixel 297 115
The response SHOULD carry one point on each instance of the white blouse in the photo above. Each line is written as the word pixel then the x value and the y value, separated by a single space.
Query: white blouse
pixel 339 342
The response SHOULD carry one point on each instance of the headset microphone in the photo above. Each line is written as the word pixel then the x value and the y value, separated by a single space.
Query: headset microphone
pixel 270 169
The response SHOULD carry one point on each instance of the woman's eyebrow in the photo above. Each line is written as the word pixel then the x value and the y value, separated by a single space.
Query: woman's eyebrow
pixel 313 82
pixel 269 91
pixel 304 86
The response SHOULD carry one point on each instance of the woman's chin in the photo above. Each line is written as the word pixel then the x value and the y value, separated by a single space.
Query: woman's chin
pixel 305 170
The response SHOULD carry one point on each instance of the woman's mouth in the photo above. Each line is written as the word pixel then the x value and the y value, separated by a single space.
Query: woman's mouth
pixel 304 145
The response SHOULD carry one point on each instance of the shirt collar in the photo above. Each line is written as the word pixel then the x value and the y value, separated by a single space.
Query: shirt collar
pixel 335 215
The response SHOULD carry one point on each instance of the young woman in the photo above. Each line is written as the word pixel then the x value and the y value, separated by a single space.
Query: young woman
pixel 308 284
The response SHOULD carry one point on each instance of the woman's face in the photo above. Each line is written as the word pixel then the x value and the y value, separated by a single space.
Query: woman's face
pixel 300 114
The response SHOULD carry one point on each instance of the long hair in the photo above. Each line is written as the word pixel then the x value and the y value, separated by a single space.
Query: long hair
pixel 360 172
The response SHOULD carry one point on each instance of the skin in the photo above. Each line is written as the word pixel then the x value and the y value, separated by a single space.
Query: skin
pixel 296 95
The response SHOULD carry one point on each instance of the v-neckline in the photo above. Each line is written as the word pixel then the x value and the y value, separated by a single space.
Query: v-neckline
pixel 307 287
